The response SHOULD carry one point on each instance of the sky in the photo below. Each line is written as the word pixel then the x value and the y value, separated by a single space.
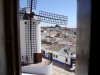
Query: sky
pixel 61 7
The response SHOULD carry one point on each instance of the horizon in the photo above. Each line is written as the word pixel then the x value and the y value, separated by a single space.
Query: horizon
pixel 50 26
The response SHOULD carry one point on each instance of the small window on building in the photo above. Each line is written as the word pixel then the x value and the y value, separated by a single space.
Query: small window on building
pixel 53 55
pixel 65 50
pixel 43 52
pixel 46 53
pixel 25 22
pixel 74 33
pixel 56 56
pixel 66 60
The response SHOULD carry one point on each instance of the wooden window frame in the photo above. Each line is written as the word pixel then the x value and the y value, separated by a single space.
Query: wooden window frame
pixel 12 37
pixel 11 8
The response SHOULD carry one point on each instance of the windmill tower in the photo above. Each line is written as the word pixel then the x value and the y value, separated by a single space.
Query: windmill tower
pixel 31 46
pixel 29 25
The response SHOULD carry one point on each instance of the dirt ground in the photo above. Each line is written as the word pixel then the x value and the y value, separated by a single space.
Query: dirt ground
pixel 59 69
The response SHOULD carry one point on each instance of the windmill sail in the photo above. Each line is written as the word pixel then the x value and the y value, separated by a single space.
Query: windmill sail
pixel 34 2
pixel 53 18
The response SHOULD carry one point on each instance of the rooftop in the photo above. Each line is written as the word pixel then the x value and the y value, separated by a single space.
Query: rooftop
pixel 73 48
pixel 55 47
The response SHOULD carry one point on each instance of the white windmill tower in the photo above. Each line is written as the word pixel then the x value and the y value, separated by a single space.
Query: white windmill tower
pixel 29 42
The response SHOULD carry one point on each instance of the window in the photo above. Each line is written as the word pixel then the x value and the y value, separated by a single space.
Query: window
pixel 46 53
pixel 74 33
pixel 56 56
pixel 66 60
pixel 53 55
pixel 65 50
pixel 25 22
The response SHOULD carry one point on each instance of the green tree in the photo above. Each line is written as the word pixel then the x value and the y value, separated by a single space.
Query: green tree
pixel 52 27
pixel 57 25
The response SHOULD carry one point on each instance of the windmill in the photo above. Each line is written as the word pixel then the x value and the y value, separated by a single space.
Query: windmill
pixel 28 14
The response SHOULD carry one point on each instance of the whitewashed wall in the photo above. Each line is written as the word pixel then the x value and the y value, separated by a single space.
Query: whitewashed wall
pixel 38 32
pixel 47 51
pixel 41 70
pixel 60 58
pixel 55 53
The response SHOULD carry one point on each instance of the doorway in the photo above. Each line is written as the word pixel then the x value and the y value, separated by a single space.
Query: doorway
pixel 50 56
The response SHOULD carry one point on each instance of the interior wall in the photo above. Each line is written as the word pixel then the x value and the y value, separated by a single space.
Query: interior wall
pixel 3 70
pixel 83 36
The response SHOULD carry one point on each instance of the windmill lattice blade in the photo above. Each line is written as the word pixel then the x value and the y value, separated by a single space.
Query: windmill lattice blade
pixel 53 18
pixel 21 13
pixel 34 2
pixel 22 10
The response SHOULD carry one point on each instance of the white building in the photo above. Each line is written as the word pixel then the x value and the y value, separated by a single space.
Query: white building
pixel 60 53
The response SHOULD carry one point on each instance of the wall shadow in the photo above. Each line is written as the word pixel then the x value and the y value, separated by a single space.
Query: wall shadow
pixel 67 68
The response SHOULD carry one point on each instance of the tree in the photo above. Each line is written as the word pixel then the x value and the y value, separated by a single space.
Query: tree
pixel 57 25
pixel 52 27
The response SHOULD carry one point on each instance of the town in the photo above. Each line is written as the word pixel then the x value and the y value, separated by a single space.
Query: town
pixel 61 42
